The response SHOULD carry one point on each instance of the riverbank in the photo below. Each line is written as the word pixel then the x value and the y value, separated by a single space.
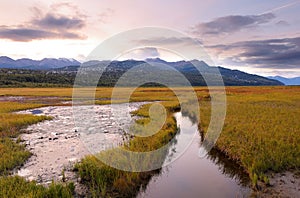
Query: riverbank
pixel 261 132
pixel 285 185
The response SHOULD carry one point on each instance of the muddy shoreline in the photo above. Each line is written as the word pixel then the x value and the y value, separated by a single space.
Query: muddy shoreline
pixel 56 144
pixel 283 185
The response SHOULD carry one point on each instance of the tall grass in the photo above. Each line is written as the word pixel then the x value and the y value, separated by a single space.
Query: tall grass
pixel 261 130
pixel 15 187
pixel 11 155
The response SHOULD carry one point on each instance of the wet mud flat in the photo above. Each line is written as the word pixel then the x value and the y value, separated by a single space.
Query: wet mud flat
pixel 285 185
pixel 57 144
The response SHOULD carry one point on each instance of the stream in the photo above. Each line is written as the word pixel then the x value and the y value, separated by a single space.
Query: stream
pixel 191 176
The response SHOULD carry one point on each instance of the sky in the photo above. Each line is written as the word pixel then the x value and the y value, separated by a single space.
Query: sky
pixel 257 36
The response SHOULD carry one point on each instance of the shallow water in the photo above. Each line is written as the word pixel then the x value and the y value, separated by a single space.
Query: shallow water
pixel 57 144
pixel 191 176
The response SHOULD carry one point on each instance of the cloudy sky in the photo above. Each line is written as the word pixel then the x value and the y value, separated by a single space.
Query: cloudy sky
pixel 257 36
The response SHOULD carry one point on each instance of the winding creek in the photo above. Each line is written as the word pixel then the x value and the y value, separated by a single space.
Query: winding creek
pixel 56 146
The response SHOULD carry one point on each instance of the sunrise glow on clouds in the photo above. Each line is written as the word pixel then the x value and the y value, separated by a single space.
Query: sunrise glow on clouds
pixel 261 37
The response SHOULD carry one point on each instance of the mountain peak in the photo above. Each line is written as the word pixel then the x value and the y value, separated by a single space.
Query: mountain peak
pixel 5 58
pixel 156 60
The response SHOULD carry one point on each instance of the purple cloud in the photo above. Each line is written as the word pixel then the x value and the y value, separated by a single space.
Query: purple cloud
pixel 51 21
pixel 230 24
pixel 271 53
pixel 51 25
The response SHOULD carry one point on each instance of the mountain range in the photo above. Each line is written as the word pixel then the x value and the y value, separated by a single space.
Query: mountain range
pixel 44 64
pixel 286 81
pixel 63 71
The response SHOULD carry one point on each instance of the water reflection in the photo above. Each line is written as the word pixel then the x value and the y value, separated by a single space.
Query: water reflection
pixel 191 176
pixel 229 167
pixel 226 165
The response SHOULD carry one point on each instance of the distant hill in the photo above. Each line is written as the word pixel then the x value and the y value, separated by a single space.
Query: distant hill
pixel 44 64
pixel 230 77
pixel 286 81
pixel 23 72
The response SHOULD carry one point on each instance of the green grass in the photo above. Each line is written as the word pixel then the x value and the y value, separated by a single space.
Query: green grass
pixel 12 155
pixel 15 187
